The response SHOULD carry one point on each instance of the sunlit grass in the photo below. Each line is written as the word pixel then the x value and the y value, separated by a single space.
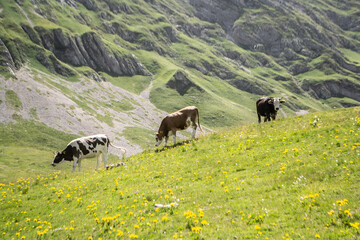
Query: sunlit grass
pixel 293 178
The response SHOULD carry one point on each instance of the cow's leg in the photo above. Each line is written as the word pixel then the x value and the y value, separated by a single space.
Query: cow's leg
pixel 166 139
pixel 174 136
pixel 259 118
pixel 273 116
pixel 105 158
pixel 267 118
pixel 74 164
pixel 98 160
pixel 79 164
pixel 194 130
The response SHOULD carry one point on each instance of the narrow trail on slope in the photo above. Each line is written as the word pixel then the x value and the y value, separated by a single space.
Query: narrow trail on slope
pixel 146 93
pixel 24 13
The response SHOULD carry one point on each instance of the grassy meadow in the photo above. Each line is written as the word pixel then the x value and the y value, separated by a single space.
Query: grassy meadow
pixel 295 178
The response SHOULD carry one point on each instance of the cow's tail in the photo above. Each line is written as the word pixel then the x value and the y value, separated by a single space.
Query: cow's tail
pixel 198 117
pixel 121 148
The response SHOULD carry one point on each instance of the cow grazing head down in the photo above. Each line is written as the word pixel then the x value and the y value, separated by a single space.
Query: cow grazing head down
pixel 85 147
pixel 179 120
pixel 159 138
pixel 70 153
pixel 58 158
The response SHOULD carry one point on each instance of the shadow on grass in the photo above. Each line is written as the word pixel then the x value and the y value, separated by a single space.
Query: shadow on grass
pixel 174 146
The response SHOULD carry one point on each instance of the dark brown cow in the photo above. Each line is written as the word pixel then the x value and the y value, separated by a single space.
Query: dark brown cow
pixel 178 120
pixel 267 107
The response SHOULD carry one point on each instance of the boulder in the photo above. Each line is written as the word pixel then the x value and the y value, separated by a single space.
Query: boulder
pixel 181 83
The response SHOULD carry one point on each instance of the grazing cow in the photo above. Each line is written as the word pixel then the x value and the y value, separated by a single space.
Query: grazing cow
pixel 178 120
pixel 85 147
pixel 267 107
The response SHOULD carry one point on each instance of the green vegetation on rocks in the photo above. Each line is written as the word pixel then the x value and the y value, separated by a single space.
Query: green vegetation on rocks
pixel 12 100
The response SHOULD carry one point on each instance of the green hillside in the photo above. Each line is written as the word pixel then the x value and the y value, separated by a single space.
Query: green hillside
pixel 221 56
pixel 295 178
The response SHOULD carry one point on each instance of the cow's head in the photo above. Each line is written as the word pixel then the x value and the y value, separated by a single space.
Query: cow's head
pixel 276 102
pixel 158 138
pixel 58 158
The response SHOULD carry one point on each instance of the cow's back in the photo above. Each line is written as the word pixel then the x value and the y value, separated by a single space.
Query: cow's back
pixel 263 107
pixel 180 119
pixel 91 146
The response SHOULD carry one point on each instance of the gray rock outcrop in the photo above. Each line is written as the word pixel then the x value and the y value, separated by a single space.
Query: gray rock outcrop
pixel 85 50
pixel 332 88
pixel 181 83
pixel 250 86
pixel 5 57
pixel 89 4
pixel 247 24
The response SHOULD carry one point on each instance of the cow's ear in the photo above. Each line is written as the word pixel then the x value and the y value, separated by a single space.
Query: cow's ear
pixel 282 101
pixel 271 101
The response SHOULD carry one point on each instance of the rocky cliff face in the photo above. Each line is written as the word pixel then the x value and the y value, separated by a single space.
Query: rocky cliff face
pixel 292 32
pixel 333 88
pixel 278 27
pixel 5 57
pixel 86 50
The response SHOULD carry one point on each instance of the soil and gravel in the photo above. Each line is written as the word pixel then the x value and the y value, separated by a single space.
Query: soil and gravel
pixel 82 108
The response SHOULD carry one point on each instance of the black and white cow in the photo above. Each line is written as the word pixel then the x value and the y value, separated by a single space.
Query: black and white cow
pixel 267 107
pixel 86 147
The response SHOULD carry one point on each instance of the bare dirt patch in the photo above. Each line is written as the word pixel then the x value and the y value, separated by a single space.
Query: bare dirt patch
pixel 82 108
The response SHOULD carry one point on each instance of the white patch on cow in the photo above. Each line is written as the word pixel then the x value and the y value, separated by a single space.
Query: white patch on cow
pixel 188 122
pixel 276 103
pixel 193 133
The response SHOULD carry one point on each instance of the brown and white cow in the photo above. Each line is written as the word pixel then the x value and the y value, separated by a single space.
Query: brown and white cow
pixel 86 147
pixel 267 107
pixel 179 120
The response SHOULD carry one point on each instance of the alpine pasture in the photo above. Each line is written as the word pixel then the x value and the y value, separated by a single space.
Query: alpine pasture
pixel 295 178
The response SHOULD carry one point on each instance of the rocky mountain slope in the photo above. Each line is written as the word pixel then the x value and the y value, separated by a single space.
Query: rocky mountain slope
pixel 117 66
